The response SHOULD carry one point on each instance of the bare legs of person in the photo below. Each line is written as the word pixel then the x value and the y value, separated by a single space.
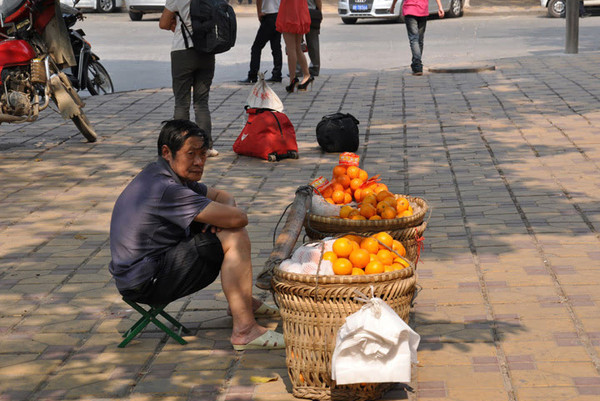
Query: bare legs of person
pixel 236 280
pixel 295 55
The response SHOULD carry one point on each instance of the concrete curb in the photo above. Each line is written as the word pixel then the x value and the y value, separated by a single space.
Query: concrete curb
pixel 461 69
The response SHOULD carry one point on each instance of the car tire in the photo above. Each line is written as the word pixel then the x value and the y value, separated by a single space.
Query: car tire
pixel 456 9
pixel 105 6
pixel 349 21
pixel 135 15
pixel 557 8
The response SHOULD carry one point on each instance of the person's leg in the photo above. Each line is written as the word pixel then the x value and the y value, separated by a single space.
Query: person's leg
pixel 292 58
pixel 203 76
pixel 181 74
pixel 412 29
pixel 312 43
pixel 236 280
pixel 422 25
pixel 261 39
pixel 301 59
pixel 275 41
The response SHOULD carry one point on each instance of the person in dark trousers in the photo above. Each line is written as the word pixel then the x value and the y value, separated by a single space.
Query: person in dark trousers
pixel 312 37
pixel 415 14
pixel 190 70
pixel 171 236
pixel 267 15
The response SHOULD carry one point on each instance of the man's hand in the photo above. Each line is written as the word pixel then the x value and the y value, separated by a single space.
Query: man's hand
pixel 260 15
pixel 391 9
pixel 212 229
pixel 441 13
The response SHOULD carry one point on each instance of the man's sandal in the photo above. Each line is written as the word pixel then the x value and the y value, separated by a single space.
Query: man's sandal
pixel 269 340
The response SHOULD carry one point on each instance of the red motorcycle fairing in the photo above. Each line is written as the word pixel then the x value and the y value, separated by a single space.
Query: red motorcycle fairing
pixel 43 10
pixel 15 52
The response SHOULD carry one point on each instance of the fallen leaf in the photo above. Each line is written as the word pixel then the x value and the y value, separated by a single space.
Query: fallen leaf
pixel 262 379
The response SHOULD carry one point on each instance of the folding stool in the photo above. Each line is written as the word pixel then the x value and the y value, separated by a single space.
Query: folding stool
pixel 150 316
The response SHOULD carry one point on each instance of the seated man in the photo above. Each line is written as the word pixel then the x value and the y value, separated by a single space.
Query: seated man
pixel 170 236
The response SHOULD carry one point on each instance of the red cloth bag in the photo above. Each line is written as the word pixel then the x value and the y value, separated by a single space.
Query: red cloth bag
pixel 268 135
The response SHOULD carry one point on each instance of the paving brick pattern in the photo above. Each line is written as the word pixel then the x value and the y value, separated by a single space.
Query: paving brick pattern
pixel 508 160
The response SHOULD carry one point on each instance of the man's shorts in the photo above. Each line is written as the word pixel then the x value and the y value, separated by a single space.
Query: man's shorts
pixel 185 269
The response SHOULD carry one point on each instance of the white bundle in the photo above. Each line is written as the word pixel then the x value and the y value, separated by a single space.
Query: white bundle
pixel 320 207
pixel 289 266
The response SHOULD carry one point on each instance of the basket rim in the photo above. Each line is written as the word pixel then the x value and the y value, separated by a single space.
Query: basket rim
pixel 401 274
pixel 376 224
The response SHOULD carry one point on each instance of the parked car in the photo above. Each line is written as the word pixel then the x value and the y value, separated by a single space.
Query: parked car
pixel 557 8
pixel 137 8
pixel 351 10
pixel 101 6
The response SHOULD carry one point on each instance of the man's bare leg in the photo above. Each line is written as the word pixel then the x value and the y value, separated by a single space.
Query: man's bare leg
pixel 236 280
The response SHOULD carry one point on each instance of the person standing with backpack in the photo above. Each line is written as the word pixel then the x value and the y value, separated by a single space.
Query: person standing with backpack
pixel 190 70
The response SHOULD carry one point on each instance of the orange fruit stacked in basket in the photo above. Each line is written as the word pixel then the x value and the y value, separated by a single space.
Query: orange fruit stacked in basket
pixel 356 255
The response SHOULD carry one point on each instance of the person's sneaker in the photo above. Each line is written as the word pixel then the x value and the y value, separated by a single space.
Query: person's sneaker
pixel 273 79
pixel 212 152
pixel 248 81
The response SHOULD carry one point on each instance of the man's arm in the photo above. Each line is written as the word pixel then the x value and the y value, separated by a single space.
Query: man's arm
pixel 222 212
pixel 259 10
pixel 440 9
pixel 392 6
pixel 319 5
pixel 168 20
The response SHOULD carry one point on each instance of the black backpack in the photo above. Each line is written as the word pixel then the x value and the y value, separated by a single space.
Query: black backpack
pixel 338 132
pixel 214 27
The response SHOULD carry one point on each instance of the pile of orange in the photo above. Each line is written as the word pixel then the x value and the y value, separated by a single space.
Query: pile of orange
pixel 355 255
pixel 382 205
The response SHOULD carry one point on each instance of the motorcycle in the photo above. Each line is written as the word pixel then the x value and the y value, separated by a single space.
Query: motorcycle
pixel 88 73
pixel 29 75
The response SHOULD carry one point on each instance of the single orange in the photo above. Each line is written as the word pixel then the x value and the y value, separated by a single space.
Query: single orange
pixel 356 183
pixel 406 213
pixel 348 199
pixel 352 171
pixel 363 175
pixel 381 195
pixel 388 213
pixel 329 200
pixel 368 210
pixel 401 205
pixel 327 192
pixel 397 266
pixel 345 211
pixel 336 186
pixel 342 247
pixel 355 246
pixel 357 272
pixel 338 196
pixel 342 266
pixel 388 268
pixel 369 198
pixel 339 170
pixel 330 256
pixel 370 244
pixel 366 192
pixel 354 212
pixel 402 262
pixel 380 187
pixel 386 257
pixel 344 180
pixel 380 206
pixel 376 217
pixel 384 238
pixel 356 238
pixel 360 258
pixel 390 200
pixel 374 268
pixel 399 248
pixel 358 217
pixel 373 257
pixel 358 195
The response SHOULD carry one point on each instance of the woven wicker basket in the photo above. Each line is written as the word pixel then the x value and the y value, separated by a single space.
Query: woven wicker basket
pixel 313 308
pixel 320 226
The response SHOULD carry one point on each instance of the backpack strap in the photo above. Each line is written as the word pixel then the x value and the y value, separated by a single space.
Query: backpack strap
pixel 185 32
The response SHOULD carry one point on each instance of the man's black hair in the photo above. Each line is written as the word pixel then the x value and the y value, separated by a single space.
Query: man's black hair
pixel 175 132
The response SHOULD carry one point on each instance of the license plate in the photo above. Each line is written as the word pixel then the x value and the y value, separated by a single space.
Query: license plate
pixel 360 7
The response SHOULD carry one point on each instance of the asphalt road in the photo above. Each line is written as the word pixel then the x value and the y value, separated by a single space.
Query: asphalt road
pixel 136 54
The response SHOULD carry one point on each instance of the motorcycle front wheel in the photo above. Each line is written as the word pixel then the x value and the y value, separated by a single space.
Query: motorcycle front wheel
pixel 85 127
pixel 98 80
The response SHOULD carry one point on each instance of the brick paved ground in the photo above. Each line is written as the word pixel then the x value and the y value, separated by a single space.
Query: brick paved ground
pixel 508 160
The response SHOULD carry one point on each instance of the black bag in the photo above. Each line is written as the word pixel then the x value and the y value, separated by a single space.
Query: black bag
pixel 214 26
pixel 338 132
pixel 316 16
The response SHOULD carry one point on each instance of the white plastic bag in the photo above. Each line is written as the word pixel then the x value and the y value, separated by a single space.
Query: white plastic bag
pixel 320 207
pixel 263 97
pixel 374 346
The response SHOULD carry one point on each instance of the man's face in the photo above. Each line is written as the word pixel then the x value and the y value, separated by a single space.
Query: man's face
pixel 188 162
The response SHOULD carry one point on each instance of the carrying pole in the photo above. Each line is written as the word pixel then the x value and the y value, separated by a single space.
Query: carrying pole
pixel 572 34
pixel 285 242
